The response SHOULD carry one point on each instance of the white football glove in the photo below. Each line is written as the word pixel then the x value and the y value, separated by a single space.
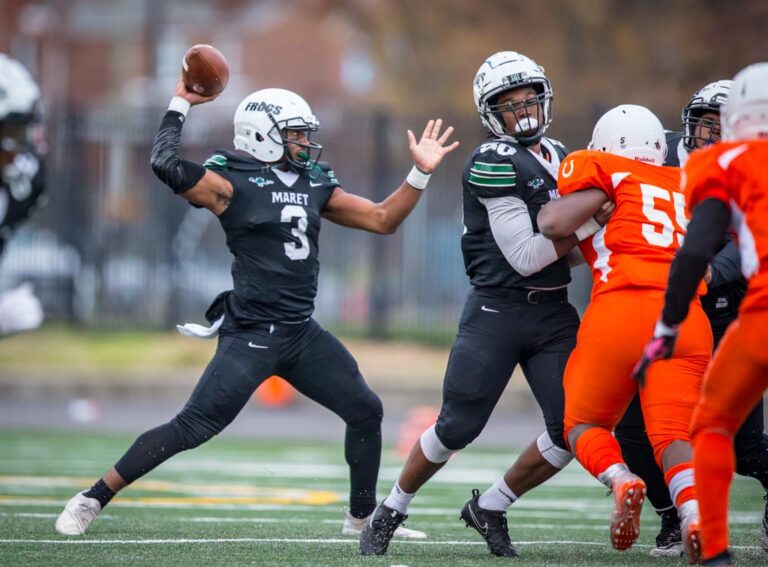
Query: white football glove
pixel 20 310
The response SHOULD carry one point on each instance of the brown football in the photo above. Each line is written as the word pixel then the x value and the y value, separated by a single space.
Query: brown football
pixel 205 70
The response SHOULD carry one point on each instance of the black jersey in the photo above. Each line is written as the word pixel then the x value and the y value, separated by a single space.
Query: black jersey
pixel 272 230
pixel 677 155
pixel 721 304
pixel 22 185
pixel 502 168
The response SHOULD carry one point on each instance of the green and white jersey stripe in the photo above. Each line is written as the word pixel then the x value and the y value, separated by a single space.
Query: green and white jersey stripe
pixel 492 174
pixel 216 162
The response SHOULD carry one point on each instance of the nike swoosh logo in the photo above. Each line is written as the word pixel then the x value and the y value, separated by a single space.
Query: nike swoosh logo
pixel 250 344
pixel 314 184
pixel 489 310
pixel 475 521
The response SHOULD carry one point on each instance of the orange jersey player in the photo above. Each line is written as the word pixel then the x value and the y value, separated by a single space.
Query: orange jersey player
pixel 724 184
pixel 630 259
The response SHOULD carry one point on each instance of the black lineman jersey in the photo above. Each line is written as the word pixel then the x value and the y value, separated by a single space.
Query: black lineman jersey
pixel 504 168
pixel 20 193
pixel 721 304
pixel 677 155
pixel 272 230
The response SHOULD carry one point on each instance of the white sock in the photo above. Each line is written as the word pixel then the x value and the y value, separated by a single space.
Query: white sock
pixel 607 476
pixel 398 499
pixel 498 497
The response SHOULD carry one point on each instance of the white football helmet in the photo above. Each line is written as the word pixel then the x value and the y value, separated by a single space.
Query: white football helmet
pixel 507 70
pixel 709 98
pixel 745 113
pixel 630 131
pixel 262 116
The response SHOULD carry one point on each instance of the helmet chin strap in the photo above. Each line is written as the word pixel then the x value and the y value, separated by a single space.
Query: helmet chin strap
pixel 526 125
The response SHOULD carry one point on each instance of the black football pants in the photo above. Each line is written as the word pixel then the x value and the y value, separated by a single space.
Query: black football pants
pixel 313 361
pixel 495 335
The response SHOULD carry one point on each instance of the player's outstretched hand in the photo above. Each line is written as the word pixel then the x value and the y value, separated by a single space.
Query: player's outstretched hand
pixel 429 151
pixel 660 347
pixel 190 97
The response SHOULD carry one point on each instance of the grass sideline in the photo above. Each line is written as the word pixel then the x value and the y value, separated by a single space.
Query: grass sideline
pixel 242 502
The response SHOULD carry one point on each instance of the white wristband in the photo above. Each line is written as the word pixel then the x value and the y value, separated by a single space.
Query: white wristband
pixel 663 330
pixel 587 229
pixel 179 105
pixel 417 178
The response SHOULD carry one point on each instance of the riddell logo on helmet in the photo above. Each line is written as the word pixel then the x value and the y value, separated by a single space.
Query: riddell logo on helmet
pixel 263 107
pixel 645 159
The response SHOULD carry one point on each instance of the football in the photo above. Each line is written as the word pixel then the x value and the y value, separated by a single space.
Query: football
pixel 205 70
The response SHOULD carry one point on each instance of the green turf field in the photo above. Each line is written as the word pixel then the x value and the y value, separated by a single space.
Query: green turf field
pixel 244 502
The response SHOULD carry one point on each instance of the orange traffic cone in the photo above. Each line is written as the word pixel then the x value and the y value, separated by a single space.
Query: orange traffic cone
pixel 274 392
pixel 417 420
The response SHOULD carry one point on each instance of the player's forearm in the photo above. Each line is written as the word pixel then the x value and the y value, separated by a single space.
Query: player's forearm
pixel 178 174
pixel 393 210
pixel 706 232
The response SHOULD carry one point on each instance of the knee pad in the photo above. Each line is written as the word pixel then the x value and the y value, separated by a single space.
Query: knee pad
pixel 369 413
pixel 433 448
pixel 554 455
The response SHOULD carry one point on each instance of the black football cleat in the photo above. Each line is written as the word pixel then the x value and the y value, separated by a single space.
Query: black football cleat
pixel 490 524
pixel 723 559
pixel 669 541
pixel 376 535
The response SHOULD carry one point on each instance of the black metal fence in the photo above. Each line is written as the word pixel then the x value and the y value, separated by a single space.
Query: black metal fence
pixel 114 248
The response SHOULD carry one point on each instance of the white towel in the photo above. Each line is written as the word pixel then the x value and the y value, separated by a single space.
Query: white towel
pixel 200 332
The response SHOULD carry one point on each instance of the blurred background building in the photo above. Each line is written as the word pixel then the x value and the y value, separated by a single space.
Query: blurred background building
pixel 114 248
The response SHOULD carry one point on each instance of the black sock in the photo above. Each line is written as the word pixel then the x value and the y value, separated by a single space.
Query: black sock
pixel 363 454
pixel 101 492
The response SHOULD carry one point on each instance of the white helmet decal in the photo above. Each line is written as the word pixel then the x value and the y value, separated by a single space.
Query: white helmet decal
pixel 630 131
pixel 745 114
pixel 504 71
pixel 262 116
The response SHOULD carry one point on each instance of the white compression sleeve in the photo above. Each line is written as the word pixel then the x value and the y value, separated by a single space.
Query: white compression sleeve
pixel 526 251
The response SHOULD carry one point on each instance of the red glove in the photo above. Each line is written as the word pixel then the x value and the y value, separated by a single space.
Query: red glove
pixel 659 347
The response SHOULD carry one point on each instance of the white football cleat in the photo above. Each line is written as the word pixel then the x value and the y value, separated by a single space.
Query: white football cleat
pixel 78 515
pixel 354 526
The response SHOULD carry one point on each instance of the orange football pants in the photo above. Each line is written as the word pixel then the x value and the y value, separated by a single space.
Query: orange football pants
pixel 736 378
pixel 598 382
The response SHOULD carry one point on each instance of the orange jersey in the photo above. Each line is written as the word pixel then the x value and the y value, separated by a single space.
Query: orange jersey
pixel 635 249
pixel 734 173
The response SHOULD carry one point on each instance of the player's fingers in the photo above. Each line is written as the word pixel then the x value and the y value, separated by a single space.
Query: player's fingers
pixel 436 129
pixel 447 134
pixel 452 147
pixel 428 129
pixel 411 139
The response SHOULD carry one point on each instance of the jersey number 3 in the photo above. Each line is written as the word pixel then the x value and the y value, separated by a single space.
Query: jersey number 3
pixel 292 250
pixel 657 216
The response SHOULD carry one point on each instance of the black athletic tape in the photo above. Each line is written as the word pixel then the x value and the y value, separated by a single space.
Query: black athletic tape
pixel 706 234
pixel 178 174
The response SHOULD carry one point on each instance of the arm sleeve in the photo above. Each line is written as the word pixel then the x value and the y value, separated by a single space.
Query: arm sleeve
pixel 178 174
pixel 706 233
pixel 726 266
pixel 513 232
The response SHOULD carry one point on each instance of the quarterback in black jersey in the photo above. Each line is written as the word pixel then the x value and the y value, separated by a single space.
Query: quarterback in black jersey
pixel 269 196
pixel 726 288
pixel 22 181
pixel 517 311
